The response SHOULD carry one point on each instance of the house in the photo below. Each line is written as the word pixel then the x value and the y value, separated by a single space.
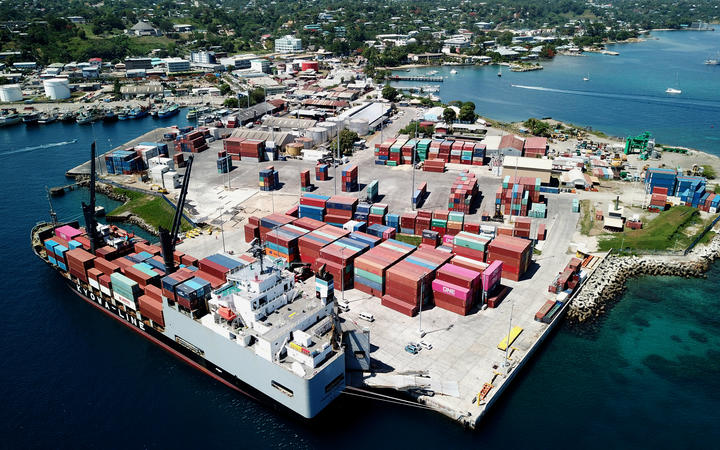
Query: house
pixel 536 146
pixel 143 29
pixel 575 178
pixel 528 167
pixel 76 19
pixel 182 28
pixel 511 145
pixel 427 57
pixel 288 44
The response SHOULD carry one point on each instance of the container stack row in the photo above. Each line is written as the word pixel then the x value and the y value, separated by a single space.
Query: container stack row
pixel 463 192
pixel 456 288
pixel 338 258
pixel 434 165
pixel 515 254
pixel 370 267
pixel 311 243
pixel 409 282
pixel 517 195
pixel 340 209
pixel 245 149
pixel 373 191
pixel 192 142
pixel 224 162
pixel 283 242
pixel 305 184
pixel 658 199
pixel 313 206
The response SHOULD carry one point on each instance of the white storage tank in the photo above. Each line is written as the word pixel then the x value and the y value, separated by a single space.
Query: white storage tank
pixel 57 88
pixel 332 128
pixel 317 134
pixel 10 93
pixel 360 126
pixel 341 123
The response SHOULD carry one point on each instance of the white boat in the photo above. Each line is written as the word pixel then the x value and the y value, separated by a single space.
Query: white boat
pixel 432 72
pixel 587 78
pixel 673 91
pixel 713 60
pixel 453 72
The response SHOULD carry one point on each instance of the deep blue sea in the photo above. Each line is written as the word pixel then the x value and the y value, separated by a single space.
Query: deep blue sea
pixel 646 375
pixel 625 94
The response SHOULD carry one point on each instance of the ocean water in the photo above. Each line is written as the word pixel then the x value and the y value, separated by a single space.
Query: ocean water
pixel 624 96
pixel 646 375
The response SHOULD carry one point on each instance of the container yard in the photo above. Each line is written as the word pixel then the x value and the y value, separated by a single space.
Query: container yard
pixel 451 296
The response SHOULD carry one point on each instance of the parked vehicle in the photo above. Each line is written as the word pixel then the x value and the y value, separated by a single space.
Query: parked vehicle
pixel 412 349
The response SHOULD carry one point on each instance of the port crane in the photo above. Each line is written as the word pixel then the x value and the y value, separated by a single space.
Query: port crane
pixel 88 209
pixel 168 238
pixel 643 143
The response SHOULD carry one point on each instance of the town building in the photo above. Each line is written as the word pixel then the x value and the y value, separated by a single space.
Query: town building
pixel 177 65
pixel 138 63
pixel 143 29
pixel 182 28
pixel 203 57
pixel 288 44
pixel 260 65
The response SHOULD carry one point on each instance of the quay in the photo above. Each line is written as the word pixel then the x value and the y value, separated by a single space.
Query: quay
pixel 416 78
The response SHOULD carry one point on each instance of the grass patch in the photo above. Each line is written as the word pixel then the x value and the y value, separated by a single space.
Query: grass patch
pixel 587 217
pixel 716 189
pixel 709 172
pixel 663 233
pixel 409 239
pixel 153 210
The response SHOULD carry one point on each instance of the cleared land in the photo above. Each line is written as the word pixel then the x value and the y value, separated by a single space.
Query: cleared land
pixel 155 211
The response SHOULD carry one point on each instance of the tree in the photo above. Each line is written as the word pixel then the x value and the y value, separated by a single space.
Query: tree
pixel 449 115
pixel 347 139
pixel 116 87
pixel 537 127
pixel 231 102
pixel 224 88
pixel 389 93
pixel 467 112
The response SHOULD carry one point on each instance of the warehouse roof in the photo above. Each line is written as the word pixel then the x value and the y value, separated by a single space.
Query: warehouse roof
pixel 528 163
pixel 281 122
pixel 280 138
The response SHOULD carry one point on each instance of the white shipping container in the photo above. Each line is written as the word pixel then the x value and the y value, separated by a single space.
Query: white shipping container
pixel 94 283
pixel 105 290
pixel 125 301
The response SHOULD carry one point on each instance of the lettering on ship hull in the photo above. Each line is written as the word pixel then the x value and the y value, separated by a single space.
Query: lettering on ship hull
pixel 100 300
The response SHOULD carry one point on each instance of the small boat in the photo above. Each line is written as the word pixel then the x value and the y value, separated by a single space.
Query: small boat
pixel 432 72
pixel 31 118
pixel 673 91
pixel 124 114
pixel 193 113
pixel 67 116
pixel 9 117
pixel 84 118
pixel 137 113
pixel 168 111
pixel 713 60
pixel 110 116
pixel 46 118
pixel 587 78
pixel 500 72
pixel 453 72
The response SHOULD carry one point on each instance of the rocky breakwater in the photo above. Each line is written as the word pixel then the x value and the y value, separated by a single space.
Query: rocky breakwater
pixel 608 281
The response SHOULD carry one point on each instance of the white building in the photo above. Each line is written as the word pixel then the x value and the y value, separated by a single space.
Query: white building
pixel 260 65
pixel 203 57
pixel 175 65
pixel 288 44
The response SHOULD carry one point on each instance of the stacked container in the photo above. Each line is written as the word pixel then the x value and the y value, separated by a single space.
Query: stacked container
pixel 283 242
pixel 313 206
pixel 455 222
pixel 382 151
pixel 224 164
pixel 269 179
pixel 395 154
pixel 308 223
pixel 423 221
pixel 215 268
pixel 430 238
pixel 192 293
pixel 362 212
pixel 310 244
pixel 373 191
pixel 248 149
pixel 143 274
pixel 170 282
pixel 271 221
pixel 151 308
pixel 522 227
pixel 439 221
pixel 517 194
pixel 660 177
pixel 123 162
pixel 338 258
pixel 419 194
pixel 492 290
pixel 478 155
pixel 79 261
pixel 371 266
pixel 252 229
pixel 381 231
pixel 408 283
pixel 365 238
pixel 423 147
pixel 470 245
pixel 658 199
pixel 407 151
pixel 305 184
pixel 393 221
pixel 407 222
pixel 340 209
pixel 434 165
pixel 125 290
pixel 350 179
pixel 322 172
pixel 515 253
pixel 456 289
pixel 193 142
pixel 377 214
pixel 456 152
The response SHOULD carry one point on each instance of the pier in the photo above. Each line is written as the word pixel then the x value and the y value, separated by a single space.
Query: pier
pixel 416 78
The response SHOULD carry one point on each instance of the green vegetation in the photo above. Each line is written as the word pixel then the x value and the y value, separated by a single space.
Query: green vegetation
pixel 709 172
pixel 538 127
pixel 390 93
pixel 153 210
pixel 347 139
pixel 667 231
pixel 716 189
pixel 409 239
pixel 449 115
pixel 231 102
pixel 587 217
pixel 421 131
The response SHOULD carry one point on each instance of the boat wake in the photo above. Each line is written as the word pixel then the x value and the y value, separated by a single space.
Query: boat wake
pixel 675 101
pixel 38 147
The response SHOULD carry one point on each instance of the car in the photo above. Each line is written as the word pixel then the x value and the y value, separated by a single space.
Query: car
pixel 366 316
pixel 426 345
pixel 412 349
pixel 343 305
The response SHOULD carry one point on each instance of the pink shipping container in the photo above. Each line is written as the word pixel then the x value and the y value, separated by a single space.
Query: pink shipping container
pixel 491 276
pixel 452 290
pixel 67 232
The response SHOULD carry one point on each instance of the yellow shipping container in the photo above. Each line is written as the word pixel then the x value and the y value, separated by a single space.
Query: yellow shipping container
pixel 514 333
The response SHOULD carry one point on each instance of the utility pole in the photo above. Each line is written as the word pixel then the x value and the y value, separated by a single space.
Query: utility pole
pixel 415 146
pixel 507 342
pixel 420 330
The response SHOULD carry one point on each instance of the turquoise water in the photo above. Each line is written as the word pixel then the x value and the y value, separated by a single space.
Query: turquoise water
pixel 625 94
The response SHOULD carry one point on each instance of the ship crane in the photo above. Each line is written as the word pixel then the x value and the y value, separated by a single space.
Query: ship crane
pixel 89 209
pixel 169 238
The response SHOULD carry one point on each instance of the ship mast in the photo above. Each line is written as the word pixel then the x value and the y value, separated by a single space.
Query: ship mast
pixel 89 209
pixel 53 214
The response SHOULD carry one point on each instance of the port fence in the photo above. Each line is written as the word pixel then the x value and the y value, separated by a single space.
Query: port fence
pixel 702 235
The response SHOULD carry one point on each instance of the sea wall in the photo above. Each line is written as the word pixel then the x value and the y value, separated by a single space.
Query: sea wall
pixel 608 281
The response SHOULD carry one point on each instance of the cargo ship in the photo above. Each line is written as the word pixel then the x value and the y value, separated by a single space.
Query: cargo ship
pixel 241 320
